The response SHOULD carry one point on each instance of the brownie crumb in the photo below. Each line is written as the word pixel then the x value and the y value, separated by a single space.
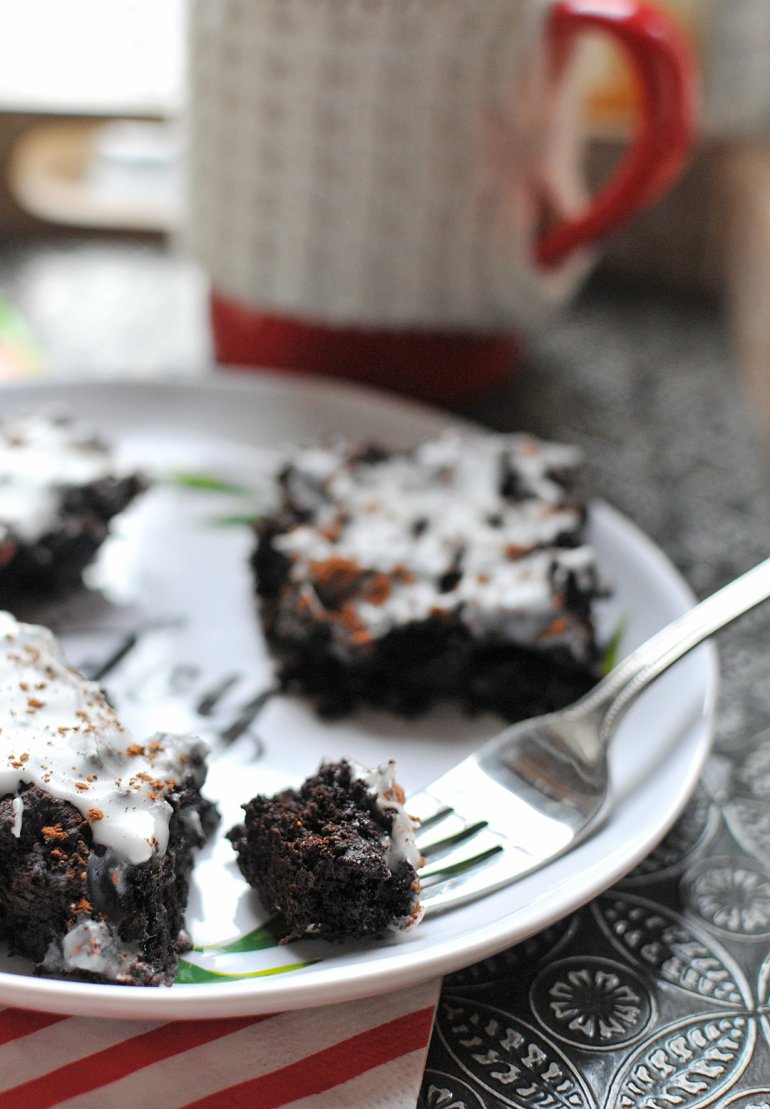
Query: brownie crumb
pixel 335 857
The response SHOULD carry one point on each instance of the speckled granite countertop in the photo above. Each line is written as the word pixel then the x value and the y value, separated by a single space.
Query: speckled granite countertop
pixel 658 993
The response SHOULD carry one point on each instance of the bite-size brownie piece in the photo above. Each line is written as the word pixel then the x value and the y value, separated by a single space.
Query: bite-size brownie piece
pixel 97 829
pixel 455 571
pixel 59 489
pixel 336 857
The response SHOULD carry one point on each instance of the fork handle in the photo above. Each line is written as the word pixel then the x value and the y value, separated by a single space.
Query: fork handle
pixel 620 688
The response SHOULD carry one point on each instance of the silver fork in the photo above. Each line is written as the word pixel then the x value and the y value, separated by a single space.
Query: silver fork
pixel 541 786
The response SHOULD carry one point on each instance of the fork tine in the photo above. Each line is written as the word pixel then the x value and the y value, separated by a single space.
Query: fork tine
pixel 482 843
pixel 432 821
pixel 480 874
pixel 426 808
pixel 439 846
pixel 444 826
pixel 477 836
pixel 440 880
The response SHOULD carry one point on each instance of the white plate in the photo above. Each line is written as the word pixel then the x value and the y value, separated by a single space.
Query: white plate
pixel 182 582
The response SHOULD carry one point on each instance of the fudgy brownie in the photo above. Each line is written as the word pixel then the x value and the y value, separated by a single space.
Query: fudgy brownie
pixel 97 830
pixel 59 489
pixel 336 857
pixel 458 570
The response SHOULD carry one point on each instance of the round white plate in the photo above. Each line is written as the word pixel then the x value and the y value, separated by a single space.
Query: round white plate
pixel 172 608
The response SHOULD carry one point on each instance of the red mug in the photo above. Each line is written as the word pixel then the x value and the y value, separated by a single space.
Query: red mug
pixel 389 191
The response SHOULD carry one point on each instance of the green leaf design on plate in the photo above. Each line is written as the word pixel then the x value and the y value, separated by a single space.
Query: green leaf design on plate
pixel 612 650
pixel 190 974
pixel 210 483
pixel 207 482
pixel 267 935
pixel 244 520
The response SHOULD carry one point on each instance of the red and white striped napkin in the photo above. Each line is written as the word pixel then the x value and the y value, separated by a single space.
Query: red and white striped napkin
pixel 360 1053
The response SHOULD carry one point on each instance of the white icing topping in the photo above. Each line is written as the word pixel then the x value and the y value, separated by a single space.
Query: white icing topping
pixel 58 732
pixel 92 946
pixel 40 455
pixel 417 517
pixel 400 845
pixel 17 806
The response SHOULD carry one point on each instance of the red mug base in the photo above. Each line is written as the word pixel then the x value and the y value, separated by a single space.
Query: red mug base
pixel 439 367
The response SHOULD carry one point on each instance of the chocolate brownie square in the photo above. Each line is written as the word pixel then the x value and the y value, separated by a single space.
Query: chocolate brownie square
pixel 457 571
pixel 97 829
pixel 59 489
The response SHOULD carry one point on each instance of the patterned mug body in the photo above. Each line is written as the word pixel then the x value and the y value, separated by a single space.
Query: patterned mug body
pixel 391 190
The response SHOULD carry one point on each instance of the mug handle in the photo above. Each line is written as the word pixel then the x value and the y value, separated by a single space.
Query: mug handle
pixel 665 70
